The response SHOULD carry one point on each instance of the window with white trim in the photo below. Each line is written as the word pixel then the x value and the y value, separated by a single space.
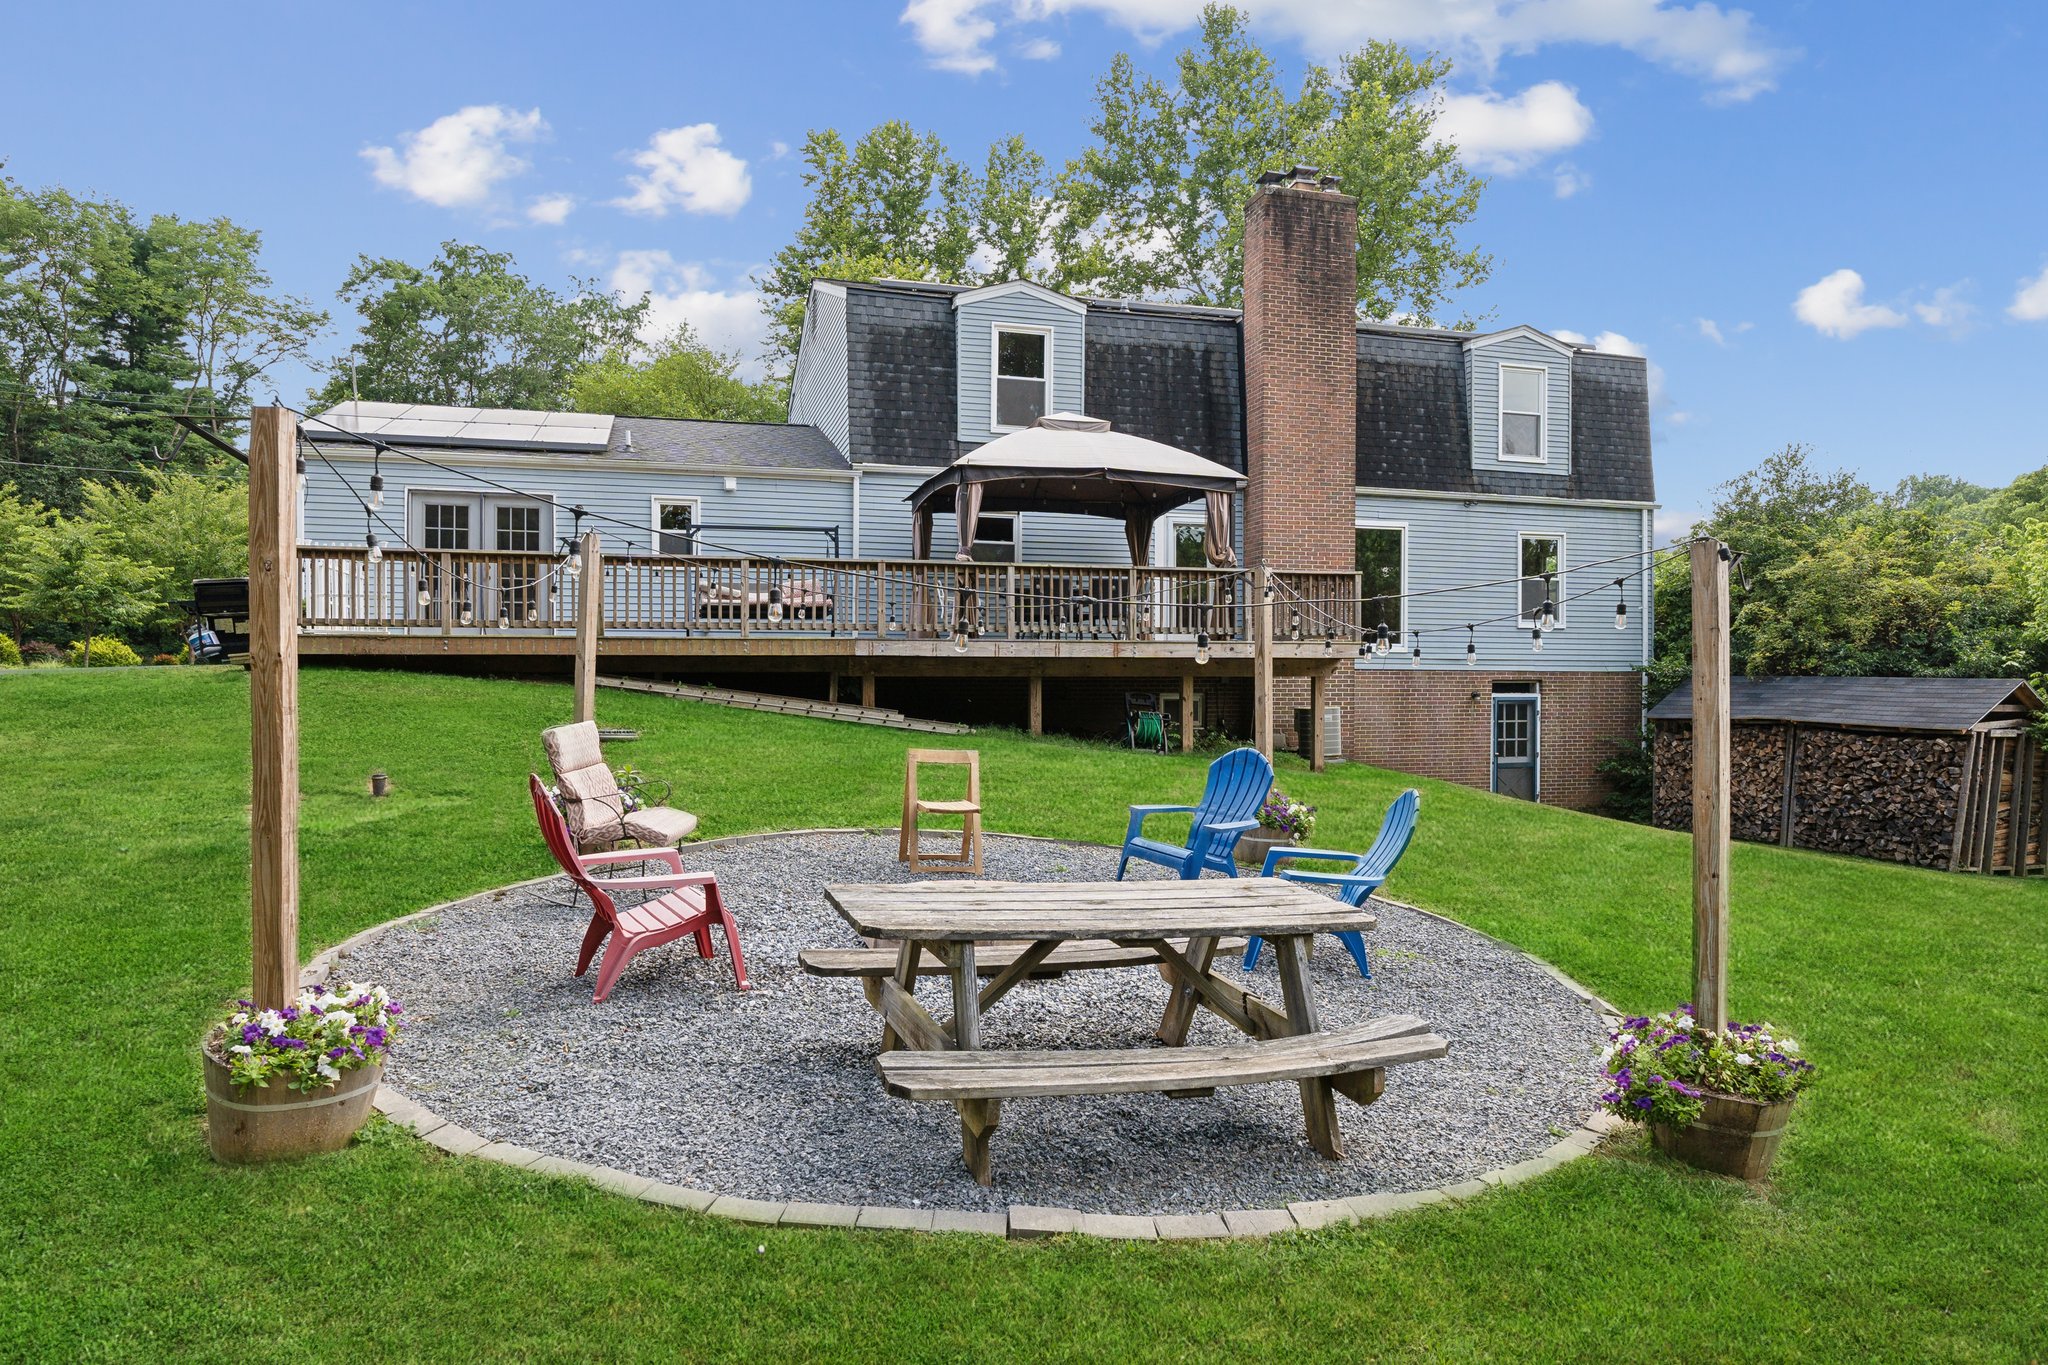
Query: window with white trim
pixel 1523 390
pixel 674 520
pixel 1023 369
pixel 1382 564
pixel 995 540
pixel 1541 555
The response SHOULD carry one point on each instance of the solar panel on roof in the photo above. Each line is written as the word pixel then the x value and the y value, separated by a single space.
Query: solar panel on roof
pixel 428 424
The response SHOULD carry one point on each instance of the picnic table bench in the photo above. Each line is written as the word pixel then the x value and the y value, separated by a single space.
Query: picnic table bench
pixel 1174 925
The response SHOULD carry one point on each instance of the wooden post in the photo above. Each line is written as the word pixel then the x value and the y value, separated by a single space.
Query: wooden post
pixel 832 686
pixel 1710 782
pixel 1037 707
pixel 867 690
pixel 589 625
pixel 273 708
pixel 1261 623
pixel 1187 713
pixel 1318 688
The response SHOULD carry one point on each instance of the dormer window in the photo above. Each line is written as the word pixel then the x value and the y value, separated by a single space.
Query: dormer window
pixel 1023 362
pixel 1522 397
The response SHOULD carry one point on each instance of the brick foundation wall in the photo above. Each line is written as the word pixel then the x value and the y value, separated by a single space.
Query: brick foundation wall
pixel 1300 376
pixel 1427 721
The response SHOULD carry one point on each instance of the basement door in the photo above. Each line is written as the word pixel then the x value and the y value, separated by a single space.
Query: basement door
pixel 1517 744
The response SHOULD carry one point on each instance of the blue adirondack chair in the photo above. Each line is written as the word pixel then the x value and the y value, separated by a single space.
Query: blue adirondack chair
pixel 1369 871
pixel 1237 787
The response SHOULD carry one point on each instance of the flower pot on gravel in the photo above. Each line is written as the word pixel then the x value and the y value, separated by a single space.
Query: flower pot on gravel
pixel 273 1122
pixel 1253 845
pixel 298 1079
pixel 1732 1136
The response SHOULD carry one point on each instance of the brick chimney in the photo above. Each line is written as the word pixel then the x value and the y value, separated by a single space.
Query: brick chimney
pixel 1300 371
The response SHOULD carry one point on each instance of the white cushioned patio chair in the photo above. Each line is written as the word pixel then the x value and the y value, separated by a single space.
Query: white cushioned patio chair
pixel 592 803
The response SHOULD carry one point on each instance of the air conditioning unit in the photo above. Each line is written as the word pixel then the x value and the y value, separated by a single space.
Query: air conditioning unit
pixel 1333 732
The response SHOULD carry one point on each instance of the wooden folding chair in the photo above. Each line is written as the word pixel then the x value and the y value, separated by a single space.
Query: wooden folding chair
pixel 968 859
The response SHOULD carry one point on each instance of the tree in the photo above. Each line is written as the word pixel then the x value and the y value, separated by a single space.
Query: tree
pixel 20 519
pixel 679 377
pixel 73 574
pixel 1013 212
pixel 896 204
pixel 1155 207
pixel 469 331
pixel 183 525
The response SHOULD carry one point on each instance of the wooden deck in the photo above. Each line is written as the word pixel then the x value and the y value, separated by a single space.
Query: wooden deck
pixel 857 616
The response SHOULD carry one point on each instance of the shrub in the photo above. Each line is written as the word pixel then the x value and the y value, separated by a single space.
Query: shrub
pixel 107 652
pixel 41 652
pixel 1660 1067
pixel 10 653
pixel 311 1041
pixel 161 659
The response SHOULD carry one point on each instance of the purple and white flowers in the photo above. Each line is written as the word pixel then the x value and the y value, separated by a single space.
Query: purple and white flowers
pixel 311 1041
pixel 1661 1067
pixel 1281 812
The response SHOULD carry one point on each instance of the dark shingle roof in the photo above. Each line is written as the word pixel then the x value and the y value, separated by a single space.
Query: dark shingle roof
pixel 902 373
pixel 1414 422
pixel 745 445
pixel 1171 377
pixel 1948 705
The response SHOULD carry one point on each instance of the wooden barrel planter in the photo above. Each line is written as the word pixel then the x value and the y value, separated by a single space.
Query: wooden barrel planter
pixel 1254 844
pixel 272 1122
pixel 1732 1136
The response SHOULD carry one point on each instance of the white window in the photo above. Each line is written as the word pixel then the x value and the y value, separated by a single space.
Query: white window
pixel 1542 570
pixel 675 522
pixel 1523 390
pixel 1022 379
pixel 995 540
pixel 1382 565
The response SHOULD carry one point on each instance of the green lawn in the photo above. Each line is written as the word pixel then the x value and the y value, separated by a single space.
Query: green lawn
pixel 1908 1221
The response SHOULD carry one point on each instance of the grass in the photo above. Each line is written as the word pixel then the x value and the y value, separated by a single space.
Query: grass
pixel 1908 1220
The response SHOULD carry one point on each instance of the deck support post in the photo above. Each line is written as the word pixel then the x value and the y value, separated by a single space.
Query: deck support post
pixel 589 625
pixel 832 686
pixel 867 690
pixel 1261 625
pixel 1037 703
pixel 1710 782
pixel 273 708
pixel 1318 689
pixel 1187 713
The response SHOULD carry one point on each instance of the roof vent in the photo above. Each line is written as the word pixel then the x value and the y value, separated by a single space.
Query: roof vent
pixel 629 438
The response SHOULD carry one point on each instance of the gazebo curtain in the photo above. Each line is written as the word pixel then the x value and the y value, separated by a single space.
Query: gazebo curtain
pixel 1216 532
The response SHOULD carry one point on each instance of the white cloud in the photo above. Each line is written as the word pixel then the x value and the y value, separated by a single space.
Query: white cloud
pixel 1568 180
pixel 1834 306
pixel 953 33
pixel 1510 135
pixel 551 209
pixel 458 158
pixel 1674 523
pixel 2030 304
pixel 1947 308
pixel 686 169
pixel 1614 343
pixel 1721 47
pixel 1039 50
pixel 1716 333
pixel 777 150
pixel 685 291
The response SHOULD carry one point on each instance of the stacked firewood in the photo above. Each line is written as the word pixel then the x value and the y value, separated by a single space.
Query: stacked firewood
pixel 1756 763
pixel 1879 795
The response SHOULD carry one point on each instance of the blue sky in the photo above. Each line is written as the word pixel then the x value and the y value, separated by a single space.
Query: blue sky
pixel 1822 222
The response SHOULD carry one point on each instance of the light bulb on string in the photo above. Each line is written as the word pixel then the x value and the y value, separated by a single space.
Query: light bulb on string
pixel 1294 626
pixel 1536 640
pixel 1471 647
pixel 1620 609
pixel 425 596
pixel 775 603
pixel 893 627
pixel 1329 641
pixel 1546 617
pixel 376 555
pixel 959 636
pixel 299 474
pixel 1415 652
pixel 376 490
pixel 468 616
pixel 1384 640
pixel 1201 648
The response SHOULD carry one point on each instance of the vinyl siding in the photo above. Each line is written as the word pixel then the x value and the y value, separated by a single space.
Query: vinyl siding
pixel 1450 543
pixel 1485 362
pixel 975 325
pixel 613 488
pixel 818 389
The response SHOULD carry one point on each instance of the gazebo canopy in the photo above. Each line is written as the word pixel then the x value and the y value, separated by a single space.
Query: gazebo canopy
pixel 1066 462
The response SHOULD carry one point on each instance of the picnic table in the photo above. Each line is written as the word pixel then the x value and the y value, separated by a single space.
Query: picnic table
pixel 1175 925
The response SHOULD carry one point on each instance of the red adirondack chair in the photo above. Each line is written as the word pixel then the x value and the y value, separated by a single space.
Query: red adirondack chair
pixel 690 905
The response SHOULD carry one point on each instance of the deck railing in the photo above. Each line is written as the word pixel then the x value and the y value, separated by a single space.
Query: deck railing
pixel 470 590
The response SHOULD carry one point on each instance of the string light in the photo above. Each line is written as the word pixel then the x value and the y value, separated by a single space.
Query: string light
pixel 468 616
pixel 894 627
pixel 425 596
pixel 1546 618
pixel 377 483
pixel 1385 640
pixel 1329 641
pixel 1202 648
pixel 775 603
pixel 1620 608
pixel 1536 639
pixel 299 474
pixel 1471 646
pixel 959 635
pixel 376 554
pixel 1415 655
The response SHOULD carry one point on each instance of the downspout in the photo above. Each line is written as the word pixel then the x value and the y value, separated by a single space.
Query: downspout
pixel 856 514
